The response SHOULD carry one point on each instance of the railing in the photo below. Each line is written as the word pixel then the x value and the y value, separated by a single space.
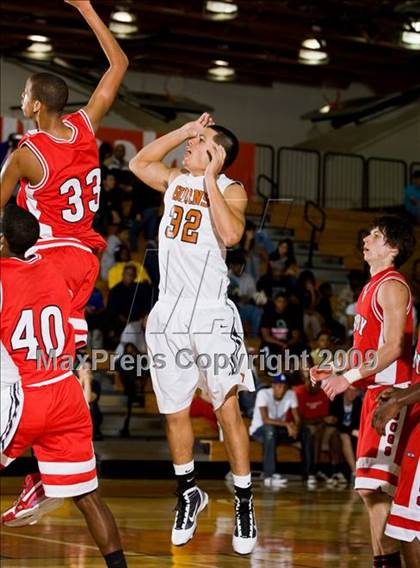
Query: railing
pixel 386 182
pixel 343 181
pixel 317 222
pixel 265 171
pixel 346 181
pixel 298 174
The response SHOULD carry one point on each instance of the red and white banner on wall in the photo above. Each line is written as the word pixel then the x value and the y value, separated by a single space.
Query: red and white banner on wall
pixel 242 170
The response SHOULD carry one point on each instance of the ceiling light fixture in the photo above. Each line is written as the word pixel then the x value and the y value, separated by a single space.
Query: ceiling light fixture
pixel 39 38
pixel 123 16
pixel 38 47
pixel 312 43
pixel 225 10
pixel 410 37
pixel 123 30
pixel 221 63
pixel 312 52
pixel 221 73
pixel 325 109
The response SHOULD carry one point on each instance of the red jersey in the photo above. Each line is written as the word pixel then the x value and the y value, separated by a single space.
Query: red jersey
pixel 67 198
pixel 415 377
pixel 368 334
pixel 312 405
pixel 35 306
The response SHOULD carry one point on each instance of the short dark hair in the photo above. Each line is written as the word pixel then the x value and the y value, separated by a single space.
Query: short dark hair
pixel 20 228
pixel 399 234
pixel 230 143
pixel 50 90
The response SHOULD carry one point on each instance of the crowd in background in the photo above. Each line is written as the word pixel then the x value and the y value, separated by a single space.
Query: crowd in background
pixel 284 309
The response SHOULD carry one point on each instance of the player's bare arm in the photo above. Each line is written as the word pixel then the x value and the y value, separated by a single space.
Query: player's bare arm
pixel 228 210
pixel 391 401
pixel 393 297
pixel 105 93
pixel 21 164
pixel 148 164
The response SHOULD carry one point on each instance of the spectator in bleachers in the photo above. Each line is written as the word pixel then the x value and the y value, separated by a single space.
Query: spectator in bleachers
pixel 323 344
pixel 110 204
pixel 122 259
pixel 105 152
pixel 135 334
pixel 275 280
pixel 134 385
pixel 114 242
pixel 242 290
pixel 95 318
pixel 281 325
pixel 412 197
pixel 144 213
pixel 314 409
pixel 256 246
pixel 285 253
pixel 117 160
pixel 271 426
pixel 347 408
pixel 308 296
pixel 346 298
pixel 325 309
pixel 127 299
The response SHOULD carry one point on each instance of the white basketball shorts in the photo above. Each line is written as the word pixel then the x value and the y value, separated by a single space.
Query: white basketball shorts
pixel 194 347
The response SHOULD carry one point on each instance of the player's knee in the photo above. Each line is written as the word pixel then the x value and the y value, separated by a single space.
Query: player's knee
pixel 86 500
pixel 367 495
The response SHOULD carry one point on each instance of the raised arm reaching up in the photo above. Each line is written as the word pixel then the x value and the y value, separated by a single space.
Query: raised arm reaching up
pixel 105 93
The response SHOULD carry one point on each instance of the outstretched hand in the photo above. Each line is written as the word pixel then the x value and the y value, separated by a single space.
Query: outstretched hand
pixel 195 127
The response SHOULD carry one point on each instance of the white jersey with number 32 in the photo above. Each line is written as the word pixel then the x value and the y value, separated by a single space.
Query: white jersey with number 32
pixel 191 255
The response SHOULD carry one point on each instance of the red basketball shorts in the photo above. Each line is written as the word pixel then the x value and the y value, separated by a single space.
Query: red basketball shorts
pixel 80 269
pixel 404 518
pixel 56 422
pixel 378 457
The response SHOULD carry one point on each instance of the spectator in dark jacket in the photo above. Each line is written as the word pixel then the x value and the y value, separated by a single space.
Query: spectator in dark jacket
pixel 347 408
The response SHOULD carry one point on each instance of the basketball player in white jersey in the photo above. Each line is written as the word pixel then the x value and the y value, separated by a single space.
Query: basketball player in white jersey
pixel 194 326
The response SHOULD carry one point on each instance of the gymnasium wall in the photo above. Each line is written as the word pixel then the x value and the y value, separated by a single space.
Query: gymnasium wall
pixel 256 114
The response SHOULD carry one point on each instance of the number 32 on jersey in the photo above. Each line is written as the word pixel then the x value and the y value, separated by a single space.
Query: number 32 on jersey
pixel 190 222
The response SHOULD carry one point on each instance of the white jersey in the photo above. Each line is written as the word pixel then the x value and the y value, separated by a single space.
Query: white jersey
pixel 191 255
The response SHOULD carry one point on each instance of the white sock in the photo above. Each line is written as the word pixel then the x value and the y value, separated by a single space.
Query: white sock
pixel 184 469
pixel 242 481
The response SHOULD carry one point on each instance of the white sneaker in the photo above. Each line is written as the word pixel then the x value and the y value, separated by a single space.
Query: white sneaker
pixel 339 479
pixel 311 481
pixel 245 533
pixel 320 476
pixel 189 506
pixel 276 481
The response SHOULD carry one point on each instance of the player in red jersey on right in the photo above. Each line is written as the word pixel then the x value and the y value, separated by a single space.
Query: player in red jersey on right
pixel 381 357
pixel 403 522
pixel 42 404
pixel 57 166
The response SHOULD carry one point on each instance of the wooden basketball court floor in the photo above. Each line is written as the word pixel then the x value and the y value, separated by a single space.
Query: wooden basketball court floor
pixel 324 528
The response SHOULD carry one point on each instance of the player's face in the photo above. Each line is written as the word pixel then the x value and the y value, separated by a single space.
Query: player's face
pixel 196 156
pixel 375 247
pixel 27 100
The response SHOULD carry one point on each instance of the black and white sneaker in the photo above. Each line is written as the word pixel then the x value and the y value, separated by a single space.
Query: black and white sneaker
pixel 245 533
pixel 189 506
